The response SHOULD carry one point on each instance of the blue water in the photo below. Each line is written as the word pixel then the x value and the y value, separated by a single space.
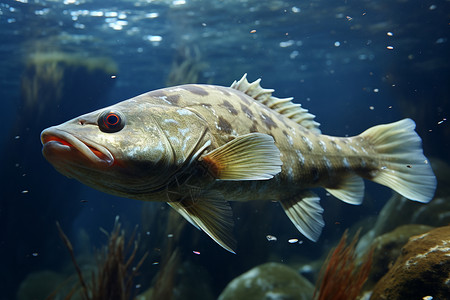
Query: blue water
pixel 353 64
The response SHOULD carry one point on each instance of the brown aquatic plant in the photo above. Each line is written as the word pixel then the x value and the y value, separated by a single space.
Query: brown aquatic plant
pixel 52 78
pixel 341 278
pixel 187 66
pixel 165 280
pixel 115 273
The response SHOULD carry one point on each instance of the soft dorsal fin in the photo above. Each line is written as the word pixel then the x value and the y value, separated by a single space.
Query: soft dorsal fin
pixel 283 106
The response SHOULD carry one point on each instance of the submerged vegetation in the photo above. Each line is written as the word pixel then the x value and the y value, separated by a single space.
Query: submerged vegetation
pixel 340 277
pixel 116 269
pixel 53 78
pixel 165 280
pixel 187 67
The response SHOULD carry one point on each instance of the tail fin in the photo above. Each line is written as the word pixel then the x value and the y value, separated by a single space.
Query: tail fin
pixel 405 170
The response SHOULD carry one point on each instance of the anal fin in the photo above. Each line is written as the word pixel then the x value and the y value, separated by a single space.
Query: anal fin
pixel 180 209
pixel 252 156
pixel 306 214
pixel 350 190
pixel 210 212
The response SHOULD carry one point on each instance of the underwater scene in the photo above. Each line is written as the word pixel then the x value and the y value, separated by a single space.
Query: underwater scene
pixel 151 149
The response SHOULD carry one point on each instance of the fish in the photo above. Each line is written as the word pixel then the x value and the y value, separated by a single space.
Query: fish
pixel 198 147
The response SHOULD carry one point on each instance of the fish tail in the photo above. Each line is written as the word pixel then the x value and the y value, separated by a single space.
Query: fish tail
pixel 403 166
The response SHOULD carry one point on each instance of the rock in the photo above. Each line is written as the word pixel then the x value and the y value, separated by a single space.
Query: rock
pixel 39 285
pixel 387 248
pixel 179 286
pixel 270 281
pixel 400 211
pixel 192 275
pixel 422 269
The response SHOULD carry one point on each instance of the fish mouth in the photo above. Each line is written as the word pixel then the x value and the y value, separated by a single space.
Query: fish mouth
pixel 62 144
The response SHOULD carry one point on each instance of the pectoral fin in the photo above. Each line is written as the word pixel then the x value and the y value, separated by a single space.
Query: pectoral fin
pixel 253 156
pixel 210 212
pixel 306 214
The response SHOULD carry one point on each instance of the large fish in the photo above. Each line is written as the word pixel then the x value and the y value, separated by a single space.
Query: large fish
pixel 197 147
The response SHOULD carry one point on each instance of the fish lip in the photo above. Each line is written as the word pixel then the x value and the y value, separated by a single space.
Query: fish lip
pixel 84 146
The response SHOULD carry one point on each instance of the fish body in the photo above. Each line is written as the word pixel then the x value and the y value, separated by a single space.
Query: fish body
pixel 197 147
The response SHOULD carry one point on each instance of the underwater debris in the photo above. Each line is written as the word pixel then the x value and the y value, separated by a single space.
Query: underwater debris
pixel 271 238
pixel 340 277
pixel 115 273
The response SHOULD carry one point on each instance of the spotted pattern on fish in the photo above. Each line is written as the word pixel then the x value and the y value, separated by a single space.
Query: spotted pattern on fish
pixel 224 90
pixel 254 127
pixel 307 143
pixel 157 94
pixel 353 149
pixel 268 121
pixel 173 99
pixel 206 105
pixel 335 145
pixel 230 107
pixel 244 99
pixel 165 150
pixel 346 163
pixel 314 171
pixel 171 121
pixel 195 89
pixel 300 157
pixel 323 146
pixel 224 125
pixel 247 111
pixel 282 121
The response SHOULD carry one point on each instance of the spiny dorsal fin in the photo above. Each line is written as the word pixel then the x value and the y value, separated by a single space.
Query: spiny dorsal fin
pixel 283 106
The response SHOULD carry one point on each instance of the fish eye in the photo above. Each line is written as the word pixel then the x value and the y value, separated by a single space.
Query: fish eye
pixel 111 121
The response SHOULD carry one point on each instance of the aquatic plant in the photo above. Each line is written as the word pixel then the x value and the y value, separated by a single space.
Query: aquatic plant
pixel 187 66
pixel 164 285
pixel 115 273
pixel 50 76
pixel 340 277
pixel 165 279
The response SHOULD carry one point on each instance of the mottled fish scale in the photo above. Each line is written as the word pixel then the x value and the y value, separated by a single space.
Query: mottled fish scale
pixel 199 146
pixel 231 113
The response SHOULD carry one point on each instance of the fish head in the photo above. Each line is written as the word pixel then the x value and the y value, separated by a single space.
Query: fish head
pixel 129 149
